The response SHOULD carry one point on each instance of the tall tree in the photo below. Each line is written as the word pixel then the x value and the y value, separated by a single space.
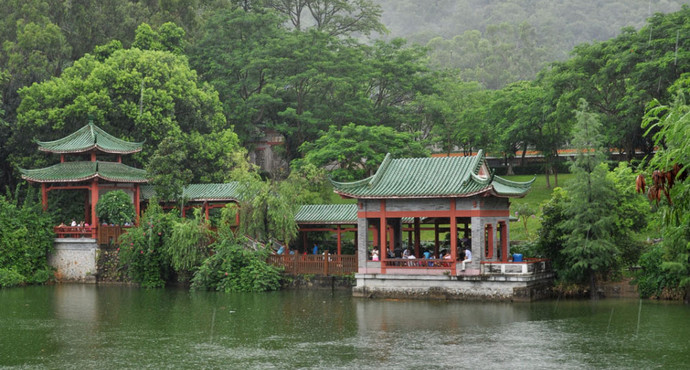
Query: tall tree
pixel 671 122
pixel 591 227
pixel 335 17
pixel 133 94
pixel 358 150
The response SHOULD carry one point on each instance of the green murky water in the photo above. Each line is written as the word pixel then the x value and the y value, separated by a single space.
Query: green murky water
pixel 87 327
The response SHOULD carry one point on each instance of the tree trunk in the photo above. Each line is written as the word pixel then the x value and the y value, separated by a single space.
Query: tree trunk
pixel 548 182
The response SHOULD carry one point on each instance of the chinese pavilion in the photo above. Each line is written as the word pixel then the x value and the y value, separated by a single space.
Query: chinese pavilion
pixel 89 173
pixel 458 197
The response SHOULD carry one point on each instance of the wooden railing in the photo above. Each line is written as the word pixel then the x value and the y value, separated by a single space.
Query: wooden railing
pixel 74 231
pixel 108 235
pixel 328 264
pixel 432 263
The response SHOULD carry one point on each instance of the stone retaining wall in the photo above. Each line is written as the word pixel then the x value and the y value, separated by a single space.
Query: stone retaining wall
pixel 74 260
pixel 484 288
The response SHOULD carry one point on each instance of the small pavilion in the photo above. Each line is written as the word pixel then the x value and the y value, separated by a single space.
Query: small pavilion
pixel 457 195
pixel 204 196
pixel 89 173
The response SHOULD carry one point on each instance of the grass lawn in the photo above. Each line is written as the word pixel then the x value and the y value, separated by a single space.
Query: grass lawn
pixel 539 194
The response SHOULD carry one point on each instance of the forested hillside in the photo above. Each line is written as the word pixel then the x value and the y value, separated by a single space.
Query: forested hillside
pixel 498 42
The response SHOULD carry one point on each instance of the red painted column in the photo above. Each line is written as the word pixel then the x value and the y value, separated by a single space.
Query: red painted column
pixel 453 236
pixel 382 235
pixel 504 241
pixel 417 236
pixel 137 200
pixel 94 200
pixel 339 239
pixel 44 196
pixel 93 156
pixel 206 210
pixel 62 158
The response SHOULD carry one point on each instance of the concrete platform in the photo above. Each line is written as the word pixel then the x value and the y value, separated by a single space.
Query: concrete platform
pixel 495 287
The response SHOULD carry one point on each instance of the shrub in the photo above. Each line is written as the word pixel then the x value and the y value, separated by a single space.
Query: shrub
pixel 142 250
pixel 26 238
pixel 651 279
pixel 9 278
pixel 115 207
pixel 234 268
pixel 188 244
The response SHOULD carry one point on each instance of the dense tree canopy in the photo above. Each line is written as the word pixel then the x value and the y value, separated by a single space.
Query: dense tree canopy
pixel 133 94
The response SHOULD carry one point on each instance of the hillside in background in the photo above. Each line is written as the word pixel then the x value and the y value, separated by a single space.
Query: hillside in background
pixel 519 37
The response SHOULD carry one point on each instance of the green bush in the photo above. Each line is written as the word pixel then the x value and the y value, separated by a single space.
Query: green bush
pixel 26 238
pixel 234 268
pixel 115 207
pixel 142 249
pixel 188 245
pixel 651 279
pixel 9 278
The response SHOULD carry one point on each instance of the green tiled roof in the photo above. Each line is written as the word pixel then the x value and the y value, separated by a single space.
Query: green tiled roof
pixel 431 178
pixel 201 192
pixel 327 214
pixel 87 138
pixel 85 170
pixel 332 214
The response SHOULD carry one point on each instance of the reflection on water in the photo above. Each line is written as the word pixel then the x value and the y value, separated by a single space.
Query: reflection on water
pixel 82 326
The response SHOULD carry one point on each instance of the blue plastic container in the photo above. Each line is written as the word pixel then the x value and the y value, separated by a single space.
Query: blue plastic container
pixel 517 257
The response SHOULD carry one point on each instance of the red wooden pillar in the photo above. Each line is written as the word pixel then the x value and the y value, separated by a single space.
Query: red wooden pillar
pixel 137 200
pixel 44 196
pixel 93 156
pixel 206 210
pixel 62 158
pixel 339 239
pixel 417 235
pixel 453 236
pixel 382 235
pixel 375 237
pixel 504 241
pixel 94 200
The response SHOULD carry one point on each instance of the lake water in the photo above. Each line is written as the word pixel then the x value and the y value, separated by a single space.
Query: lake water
pixel 87 327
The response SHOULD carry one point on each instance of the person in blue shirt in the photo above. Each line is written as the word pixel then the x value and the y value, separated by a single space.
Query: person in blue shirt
pixel 316 249
pixel 281 250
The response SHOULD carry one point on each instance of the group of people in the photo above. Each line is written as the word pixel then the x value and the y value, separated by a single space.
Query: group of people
pixel 74 224
pixel 465 256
